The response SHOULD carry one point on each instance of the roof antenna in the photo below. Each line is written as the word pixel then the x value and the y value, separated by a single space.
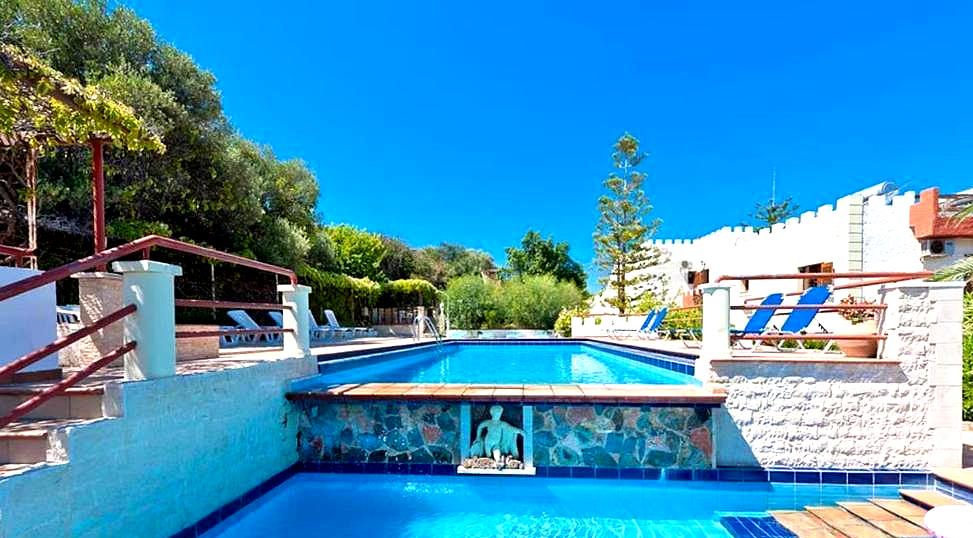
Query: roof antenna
pixel 773 187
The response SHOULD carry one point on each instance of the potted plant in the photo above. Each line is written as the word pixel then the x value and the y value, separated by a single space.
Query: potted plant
pixel 862 321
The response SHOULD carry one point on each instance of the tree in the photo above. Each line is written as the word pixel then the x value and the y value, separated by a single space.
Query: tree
pixel 624 228
pixel 539 256
pixel 771 212
pixel 358 253
pixel 399 262
pixel 447 261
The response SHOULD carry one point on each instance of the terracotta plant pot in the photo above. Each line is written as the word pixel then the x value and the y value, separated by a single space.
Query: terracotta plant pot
pixel 860 348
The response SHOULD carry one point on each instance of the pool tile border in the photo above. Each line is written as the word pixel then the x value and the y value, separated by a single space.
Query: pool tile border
pixel 953 489
pixel 755 527
pixel 222 513
pixel 723 474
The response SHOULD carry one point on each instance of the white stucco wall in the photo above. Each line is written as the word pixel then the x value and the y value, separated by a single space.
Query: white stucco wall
pixel 28 321
pixel 871 414
pixel 180 448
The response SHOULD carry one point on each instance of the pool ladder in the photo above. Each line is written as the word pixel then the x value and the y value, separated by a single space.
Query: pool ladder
pixel 424 321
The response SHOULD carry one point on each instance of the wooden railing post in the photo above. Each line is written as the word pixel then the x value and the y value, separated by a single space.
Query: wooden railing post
pixel 296 318
pixel 149 285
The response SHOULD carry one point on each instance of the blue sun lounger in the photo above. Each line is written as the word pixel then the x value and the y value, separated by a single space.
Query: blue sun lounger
pixel 615 333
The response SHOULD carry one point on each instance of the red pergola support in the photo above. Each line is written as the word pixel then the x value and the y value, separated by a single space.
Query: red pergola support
pixel 98 193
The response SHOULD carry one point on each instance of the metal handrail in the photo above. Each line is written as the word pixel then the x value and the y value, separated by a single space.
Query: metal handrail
pixel 139 245
pixel 230 305
pixel 29 405
pixel 416 323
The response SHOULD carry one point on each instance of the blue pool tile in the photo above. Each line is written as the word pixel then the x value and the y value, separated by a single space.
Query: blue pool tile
pixel 885 478
pixel 860 478
pixel 912 479
pixel 559 472
pixel 606 472
pixel 396 468
pixel 679 474
pixel 443 469
pixel 743 475
pixel 188 532
pixel 710 475
pixel 420 468
pixel 630 473
pixel 652 474
pixel 540 470
pixel 834 477
pixel 582 472
pixel 374 468
pixel 754 527
pixel 780 475
pixel 807 477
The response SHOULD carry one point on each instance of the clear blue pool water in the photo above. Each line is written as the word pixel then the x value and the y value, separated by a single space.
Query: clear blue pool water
pixel 333 505
pixel 566 363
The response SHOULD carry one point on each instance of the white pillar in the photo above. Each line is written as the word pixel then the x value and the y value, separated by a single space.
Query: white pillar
pixel 716 327
pixel 149 286
pixel 421 323
pixel 297 343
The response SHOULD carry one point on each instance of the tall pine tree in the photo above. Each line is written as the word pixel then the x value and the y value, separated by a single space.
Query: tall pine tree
pixel 624 229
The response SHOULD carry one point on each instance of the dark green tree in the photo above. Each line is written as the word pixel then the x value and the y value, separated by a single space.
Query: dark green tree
pixel 771 212
pixel 624 229
pixel 539 256
pixel 442 263
pixel 399 261
pixel 358 252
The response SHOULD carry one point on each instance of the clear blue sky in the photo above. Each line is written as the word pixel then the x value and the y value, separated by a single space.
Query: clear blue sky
pixel 472 122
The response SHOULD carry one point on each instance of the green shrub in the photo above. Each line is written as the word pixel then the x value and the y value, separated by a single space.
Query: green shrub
pixel 344 294
pixel 472 302
pixel 407 292
pixel 968 356
pixel 562 325
pixel 683 319
pixel 532 302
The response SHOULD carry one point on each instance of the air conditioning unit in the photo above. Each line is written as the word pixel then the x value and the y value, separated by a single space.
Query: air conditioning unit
pixel 937 248
pixel 686 265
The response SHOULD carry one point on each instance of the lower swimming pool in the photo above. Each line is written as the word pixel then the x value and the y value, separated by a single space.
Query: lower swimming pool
pixel 481 507
pixel 569 362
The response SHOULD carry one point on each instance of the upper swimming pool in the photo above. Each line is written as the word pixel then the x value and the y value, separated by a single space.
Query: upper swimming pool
pixel 513 363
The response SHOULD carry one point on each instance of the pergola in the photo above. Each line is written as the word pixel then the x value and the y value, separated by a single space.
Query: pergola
pixel 40 108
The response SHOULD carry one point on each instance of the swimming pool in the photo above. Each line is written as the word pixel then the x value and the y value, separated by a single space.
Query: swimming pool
pixel 512 363
pixel 480 507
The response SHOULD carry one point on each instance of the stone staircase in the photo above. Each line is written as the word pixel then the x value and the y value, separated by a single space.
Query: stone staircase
pixel 25 442
pixel 877 518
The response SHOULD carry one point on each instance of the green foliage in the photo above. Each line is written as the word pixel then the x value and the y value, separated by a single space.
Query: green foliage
pixel 281 242
pixel 562 325
pixel 358 253
pixel 771 212
pixel 407 292
pixel 683 319
pixel 968 356
pixel 539 256
pixel 344 294
pixel 624 228
pixel 445 262
pixel 399 261
pixel 532 302
pixel 649 301
pixel 472 302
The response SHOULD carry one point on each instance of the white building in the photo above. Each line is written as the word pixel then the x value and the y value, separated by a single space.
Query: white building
pixel 877 229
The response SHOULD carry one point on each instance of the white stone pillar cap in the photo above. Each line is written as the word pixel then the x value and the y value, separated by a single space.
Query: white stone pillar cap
pixel 146 266
pixel 96 274
pixel 713 286
pixel 293 287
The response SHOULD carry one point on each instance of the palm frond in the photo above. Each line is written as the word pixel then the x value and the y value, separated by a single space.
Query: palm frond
pixel 962 269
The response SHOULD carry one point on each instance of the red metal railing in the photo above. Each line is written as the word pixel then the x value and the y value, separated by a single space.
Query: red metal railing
pixel 139 245
pixel 864 279
pixel 99 260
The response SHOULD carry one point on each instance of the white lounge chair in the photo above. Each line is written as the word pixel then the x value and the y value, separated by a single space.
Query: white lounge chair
pixel 315 331
pixel 353 331
pixel 246 322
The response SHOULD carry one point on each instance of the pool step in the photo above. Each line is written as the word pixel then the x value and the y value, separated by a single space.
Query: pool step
pixel 884 520
pixel 906 510
pixel 845 522
pixel 805 525
pixel 75 402
pixel 929 499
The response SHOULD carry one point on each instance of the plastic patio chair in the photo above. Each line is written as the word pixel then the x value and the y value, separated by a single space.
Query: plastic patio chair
pixel 614 333
pixel 246 322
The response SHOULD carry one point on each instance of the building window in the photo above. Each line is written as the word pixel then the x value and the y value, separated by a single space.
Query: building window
pixel 823 267
pixel 695 278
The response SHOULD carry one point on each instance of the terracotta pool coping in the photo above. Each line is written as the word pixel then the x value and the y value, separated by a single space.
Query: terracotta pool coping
pixel 541 393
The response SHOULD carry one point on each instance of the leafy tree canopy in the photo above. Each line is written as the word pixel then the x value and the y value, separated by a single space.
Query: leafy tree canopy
pixel 358 253
pixel 539 256
pixel 771 212
pixel 442 263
